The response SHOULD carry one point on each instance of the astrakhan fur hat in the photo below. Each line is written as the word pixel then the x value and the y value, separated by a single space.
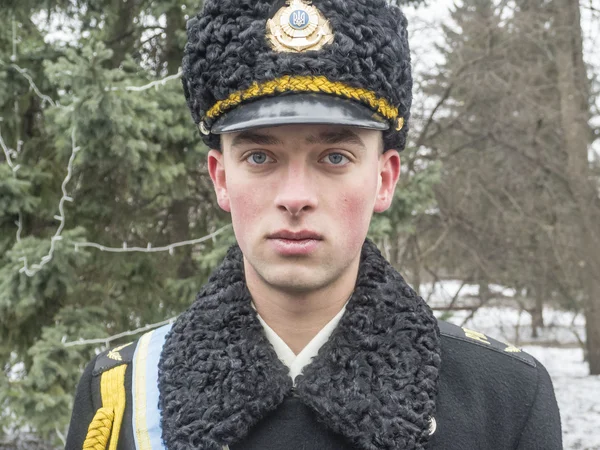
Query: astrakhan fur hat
pixel 242 51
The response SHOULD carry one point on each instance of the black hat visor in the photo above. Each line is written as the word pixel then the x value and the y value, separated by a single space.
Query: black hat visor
pixel 292 109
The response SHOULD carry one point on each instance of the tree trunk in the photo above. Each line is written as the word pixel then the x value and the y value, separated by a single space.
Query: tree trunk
pixel 173 52
pixel 417 277
pixel 416 264
pixel 537 315
pixel 484 291
pixel 574 89
pixel 121 32
pixel 592 327
pixel 179 209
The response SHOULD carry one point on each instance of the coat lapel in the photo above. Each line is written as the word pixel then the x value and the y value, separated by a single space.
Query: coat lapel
pixel 373 382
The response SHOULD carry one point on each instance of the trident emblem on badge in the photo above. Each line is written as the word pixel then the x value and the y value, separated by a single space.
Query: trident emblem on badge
pixel 298 27
pixel 300 19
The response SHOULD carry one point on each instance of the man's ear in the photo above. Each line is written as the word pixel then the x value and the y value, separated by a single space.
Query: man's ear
pixel 389 172
pixel 216 170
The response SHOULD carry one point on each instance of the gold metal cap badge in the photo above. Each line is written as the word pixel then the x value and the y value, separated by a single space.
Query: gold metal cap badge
pixel 299 27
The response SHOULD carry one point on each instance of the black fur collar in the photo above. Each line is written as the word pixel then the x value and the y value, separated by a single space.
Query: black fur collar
pixel 374 381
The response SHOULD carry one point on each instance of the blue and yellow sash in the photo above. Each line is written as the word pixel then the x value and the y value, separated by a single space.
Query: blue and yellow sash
pixel 146 414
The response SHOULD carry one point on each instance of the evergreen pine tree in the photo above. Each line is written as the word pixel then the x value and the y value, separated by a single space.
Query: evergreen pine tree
pixel 138 177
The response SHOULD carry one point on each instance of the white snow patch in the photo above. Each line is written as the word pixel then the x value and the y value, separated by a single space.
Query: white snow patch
pixel 506 323
pixel 501 318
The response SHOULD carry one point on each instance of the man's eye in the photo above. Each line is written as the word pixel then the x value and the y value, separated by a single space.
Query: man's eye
pixel 258 158
pixel 337 159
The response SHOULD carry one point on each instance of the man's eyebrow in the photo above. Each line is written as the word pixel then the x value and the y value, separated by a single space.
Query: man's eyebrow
pixel 248 137
pixel 343 136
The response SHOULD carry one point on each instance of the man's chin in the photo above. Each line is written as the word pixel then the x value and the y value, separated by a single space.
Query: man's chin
pixel 295 280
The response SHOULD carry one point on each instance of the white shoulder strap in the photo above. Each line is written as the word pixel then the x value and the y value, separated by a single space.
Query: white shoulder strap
pixel 146 416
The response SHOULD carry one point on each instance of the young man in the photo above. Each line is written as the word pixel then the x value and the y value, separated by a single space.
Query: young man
pixel 305 337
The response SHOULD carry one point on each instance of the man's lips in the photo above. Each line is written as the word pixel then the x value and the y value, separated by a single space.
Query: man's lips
pixel 295 243
pixel 295 235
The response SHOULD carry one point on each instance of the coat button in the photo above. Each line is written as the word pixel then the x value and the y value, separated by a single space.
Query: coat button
pixel 432 425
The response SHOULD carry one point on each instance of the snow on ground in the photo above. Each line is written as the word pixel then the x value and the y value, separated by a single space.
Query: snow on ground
pixel 502 319
pixel 506 323
pixel 577 393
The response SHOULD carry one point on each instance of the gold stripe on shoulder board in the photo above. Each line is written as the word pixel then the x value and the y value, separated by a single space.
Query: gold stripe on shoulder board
pixel 114 353
pixel 476 335
pixel 512 349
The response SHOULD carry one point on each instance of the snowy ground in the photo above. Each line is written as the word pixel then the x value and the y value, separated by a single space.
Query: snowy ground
pixel 577 393
pixel 502 319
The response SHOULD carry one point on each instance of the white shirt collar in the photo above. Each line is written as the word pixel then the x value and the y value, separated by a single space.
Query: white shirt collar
pixel 296 363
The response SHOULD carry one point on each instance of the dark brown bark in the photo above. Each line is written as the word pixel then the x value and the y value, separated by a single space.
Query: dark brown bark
pixel 180 208
pixel 173 51
pixel 181 232
pixel 537 314
pixel 121 31
pixel 484 291
pixel 416 264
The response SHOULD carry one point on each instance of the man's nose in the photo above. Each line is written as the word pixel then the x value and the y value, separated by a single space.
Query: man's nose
pixel 297 193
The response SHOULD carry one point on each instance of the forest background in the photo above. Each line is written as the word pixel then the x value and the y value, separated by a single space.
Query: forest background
pixel 108 221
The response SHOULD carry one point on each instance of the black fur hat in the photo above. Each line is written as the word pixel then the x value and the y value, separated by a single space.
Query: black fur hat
pixel 241 52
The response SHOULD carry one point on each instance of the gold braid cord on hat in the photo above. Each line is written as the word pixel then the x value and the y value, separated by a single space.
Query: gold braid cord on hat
pixel 305 84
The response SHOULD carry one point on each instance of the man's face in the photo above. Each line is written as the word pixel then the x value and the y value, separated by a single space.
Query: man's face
pixel 301 199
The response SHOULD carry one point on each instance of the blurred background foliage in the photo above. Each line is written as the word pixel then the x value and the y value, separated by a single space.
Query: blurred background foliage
pixel 499 183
